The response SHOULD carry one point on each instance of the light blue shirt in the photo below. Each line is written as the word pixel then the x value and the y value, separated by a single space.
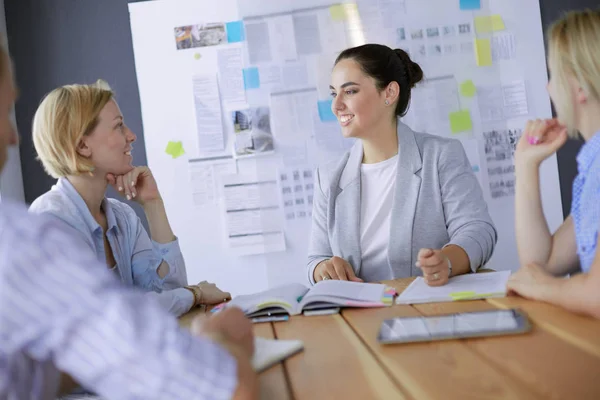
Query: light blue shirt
pixel 585 208
pixel 137 256
pixel 62 310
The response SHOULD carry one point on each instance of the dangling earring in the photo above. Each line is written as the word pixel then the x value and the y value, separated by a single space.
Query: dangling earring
pixel 387 102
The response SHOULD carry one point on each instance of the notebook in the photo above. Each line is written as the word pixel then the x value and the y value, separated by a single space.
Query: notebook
pixel 294 298
pixel 268 352
pixel 462 287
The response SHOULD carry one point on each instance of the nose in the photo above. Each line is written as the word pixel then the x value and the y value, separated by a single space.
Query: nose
pixel 131 137
pixel 337 104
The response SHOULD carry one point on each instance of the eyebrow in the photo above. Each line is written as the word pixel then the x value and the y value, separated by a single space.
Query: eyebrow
pixel 345 85
pixel 118 117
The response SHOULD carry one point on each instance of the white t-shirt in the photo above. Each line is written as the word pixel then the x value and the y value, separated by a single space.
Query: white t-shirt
pixel 378 182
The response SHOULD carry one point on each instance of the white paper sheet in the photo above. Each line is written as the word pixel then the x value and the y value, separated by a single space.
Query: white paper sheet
pixel 258 41
pixel 208 113
pixel 231 78
pixel 504 47
pixel 282 39
pixel 204 174
pixel 333 33
pixel 292 114
pixel 501 102
pixel 489 284
pixel 499 152
pixel 431 105
pixel 253 215
pixel 297 189
pixel 307 34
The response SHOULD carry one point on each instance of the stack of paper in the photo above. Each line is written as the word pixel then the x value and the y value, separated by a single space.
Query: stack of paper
pixel 463 287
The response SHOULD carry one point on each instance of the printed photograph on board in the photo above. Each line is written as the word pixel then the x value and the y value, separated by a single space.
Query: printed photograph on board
pixel 200 35
pixel 252 128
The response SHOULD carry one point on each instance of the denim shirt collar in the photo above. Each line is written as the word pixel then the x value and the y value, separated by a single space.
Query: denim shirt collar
pixel 64 186
pixel 588 153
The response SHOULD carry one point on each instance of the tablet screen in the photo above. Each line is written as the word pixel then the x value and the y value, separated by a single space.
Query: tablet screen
pixel 481 323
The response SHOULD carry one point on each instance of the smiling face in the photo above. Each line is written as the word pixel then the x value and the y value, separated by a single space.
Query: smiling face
pixel 357 102
pixel 109 145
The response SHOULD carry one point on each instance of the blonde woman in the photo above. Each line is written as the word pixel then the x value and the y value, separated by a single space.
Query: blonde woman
pixel 574 87
pixel 81 139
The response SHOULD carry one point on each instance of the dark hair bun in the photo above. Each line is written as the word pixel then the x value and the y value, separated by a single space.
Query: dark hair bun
pixel 413 70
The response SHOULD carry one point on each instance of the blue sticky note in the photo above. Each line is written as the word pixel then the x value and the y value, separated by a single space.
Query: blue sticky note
pixel 325 113
pixel 235 32
pixel 251 78
pixel 470 4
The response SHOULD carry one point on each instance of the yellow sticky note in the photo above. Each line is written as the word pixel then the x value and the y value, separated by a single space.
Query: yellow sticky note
pixel 483 52
pixel 489 23
pixel 340 12
pixel 459 294
pixel 337 12
pixel 468 89
pixel 175 149
pixel 460 121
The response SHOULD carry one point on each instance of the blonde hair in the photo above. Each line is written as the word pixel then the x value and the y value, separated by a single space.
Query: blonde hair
pixel 64 117
pixel 574 47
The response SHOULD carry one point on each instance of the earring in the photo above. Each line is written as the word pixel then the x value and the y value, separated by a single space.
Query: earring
pixel 387 102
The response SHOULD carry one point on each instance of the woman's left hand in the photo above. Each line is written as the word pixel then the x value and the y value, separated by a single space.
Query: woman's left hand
pixel 138 184
pixel 434 265
pixel 530 281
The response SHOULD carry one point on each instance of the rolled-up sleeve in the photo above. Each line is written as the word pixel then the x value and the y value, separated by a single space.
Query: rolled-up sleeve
pixel 147 256
pixel 319 248
pixel 467 218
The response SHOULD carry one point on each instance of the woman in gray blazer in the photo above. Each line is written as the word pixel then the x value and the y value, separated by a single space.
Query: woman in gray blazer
pixel 400 203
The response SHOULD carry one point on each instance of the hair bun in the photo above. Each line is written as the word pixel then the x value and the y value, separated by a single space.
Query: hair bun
pixel 413 70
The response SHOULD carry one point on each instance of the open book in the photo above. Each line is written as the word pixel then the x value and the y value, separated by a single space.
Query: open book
pixel 295 298
pixel 462 287
pixel 270 351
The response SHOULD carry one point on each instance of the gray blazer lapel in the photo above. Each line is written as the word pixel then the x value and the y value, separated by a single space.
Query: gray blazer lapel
pixel 347 209
pixel 408 184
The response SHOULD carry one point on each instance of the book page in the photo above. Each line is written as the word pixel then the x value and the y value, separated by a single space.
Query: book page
pixel 285 296
pixel 356 291
pixel 471 286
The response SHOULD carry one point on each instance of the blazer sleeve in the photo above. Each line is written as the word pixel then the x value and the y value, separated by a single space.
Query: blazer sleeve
pixel 319 248
pixel 467 218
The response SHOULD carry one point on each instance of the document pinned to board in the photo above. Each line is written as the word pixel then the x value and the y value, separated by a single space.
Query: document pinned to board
pixel 463 287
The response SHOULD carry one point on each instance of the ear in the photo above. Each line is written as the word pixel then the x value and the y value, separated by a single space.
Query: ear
pixel 392 92
pixel 83 149
pixel 580 95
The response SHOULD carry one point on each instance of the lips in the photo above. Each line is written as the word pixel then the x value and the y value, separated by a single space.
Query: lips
pixel 345 119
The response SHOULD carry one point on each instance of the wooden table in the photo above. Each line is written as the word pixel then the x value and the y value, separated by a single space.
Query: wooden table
pixel 558 359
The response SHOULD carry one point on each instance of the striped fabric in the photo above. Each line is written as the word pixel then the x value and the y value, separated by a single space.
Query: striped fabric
pixel 60 309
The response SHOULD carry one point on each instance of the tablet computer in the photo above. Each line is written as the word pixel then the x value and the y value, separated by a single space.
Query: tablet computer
pixel 453 326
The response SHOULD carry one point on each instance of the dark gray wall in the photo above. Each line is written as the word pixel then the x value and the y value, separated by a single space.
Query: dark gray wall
pixel 56 42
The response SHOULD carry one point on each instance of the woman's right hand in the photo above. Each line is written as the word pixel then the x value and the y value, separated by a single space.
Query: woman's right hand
pixel 541 139
pixel 210 294
pixel 335 268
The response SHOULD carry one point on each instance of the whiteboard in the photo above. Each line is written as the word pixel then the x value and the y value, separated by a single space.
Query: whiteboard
pixel 234 104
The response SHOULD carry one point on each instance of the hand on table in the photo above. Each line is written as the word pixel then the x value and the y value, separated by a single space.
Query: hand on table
pixel 335 268
pixel 435 267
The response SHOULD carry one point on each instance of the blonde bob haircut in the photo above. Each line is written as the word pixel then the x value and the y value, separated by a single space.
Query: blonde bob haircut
pixel 64 117
pixel 574 49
